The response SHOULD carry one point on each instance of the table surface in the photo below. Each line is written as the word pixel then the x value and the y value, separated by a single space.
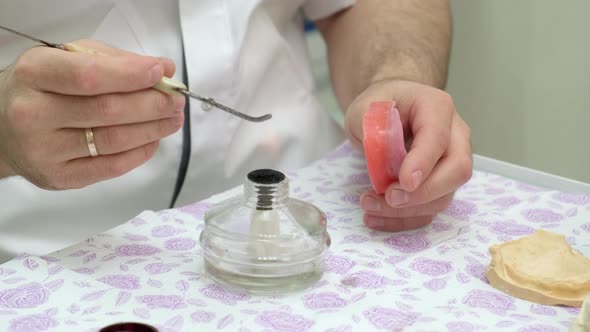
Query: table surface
pixel 150 268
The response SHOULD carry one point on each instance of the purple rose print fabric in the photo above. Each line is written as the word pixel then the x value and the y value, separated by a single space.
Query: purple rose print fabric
pixel 150 269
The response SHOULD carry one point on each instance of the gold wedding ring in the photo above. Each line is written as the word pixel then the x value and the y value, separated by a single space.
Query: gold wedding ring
pixel 90 142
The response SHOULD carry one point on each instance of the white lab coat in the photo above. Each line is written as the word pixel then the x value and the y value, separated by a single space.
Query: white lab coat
pixel 249 54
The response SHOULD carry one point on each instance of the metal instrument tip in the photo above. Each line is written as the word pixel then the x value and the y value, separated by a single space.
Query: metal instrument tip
pixel 32 38
pixel 212 102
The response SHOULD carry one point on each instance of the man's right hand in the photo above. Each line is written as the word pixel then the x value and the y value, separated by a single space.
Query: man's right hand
pixel 49 96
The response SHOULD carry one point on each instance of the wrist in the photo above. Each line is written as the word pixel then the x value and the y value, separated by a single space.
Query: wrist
pixel 411 70
pixel 5 170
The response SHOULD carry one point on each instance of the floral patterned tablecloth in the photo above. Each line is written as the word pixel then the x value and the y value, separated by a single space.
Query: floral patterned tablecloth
pixel 432 279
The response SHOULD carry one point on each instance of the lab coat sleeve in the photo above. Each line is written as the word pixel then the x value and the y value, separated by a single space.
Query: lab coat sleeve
pixel 318 9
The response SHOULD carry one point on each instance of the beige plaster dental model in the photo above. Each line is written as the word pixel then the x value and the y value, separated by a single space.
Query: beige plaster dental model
pixel 582 322
pixel 540 268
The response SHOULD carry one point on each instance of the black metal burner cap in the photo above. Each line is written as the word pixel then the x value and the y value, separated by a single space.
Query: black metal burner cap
pixel 129 327
pixel 266 176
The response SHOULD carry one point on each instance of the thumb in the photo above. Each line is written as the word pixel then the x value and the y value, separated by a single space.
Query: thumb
pixel 354 125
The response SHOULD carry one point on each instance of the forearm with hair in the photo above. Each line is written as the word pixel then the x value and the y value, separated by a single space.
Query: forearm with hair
pixel 5 170
pixel 378 40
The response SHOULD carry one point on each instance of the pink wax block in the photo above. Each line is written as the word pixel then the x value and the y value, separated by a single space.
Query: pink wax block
pixel 383 142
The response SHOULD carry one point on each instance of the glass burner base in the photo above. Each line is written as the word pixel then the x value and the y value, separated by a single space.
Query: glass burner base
pixel 265 284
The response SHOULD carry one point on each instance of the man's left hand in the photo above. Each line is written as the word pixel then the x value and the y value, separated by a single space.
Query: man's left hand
pixel 438 162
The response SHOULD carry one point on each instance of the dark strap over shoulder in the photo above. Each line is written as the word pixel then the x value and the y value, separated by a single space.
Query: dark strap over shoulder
pixel 186 140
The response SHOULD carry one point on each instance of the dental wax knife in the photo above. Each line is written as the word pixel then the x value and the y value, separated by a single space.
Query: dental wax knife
pixel 166 85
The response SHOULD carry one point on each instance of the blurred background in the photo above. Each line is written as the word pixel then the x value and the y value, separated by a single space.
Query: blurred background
pixel 520 77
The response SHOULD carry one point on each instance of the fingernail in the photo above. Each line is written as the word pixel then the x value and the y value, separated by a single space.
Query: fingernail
pixel 371 204
pixel 396 185
pixel 374 222
pixel 416 178
pixel 397 197
pixel 163 58
pixel 155 73
pixel 179 103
